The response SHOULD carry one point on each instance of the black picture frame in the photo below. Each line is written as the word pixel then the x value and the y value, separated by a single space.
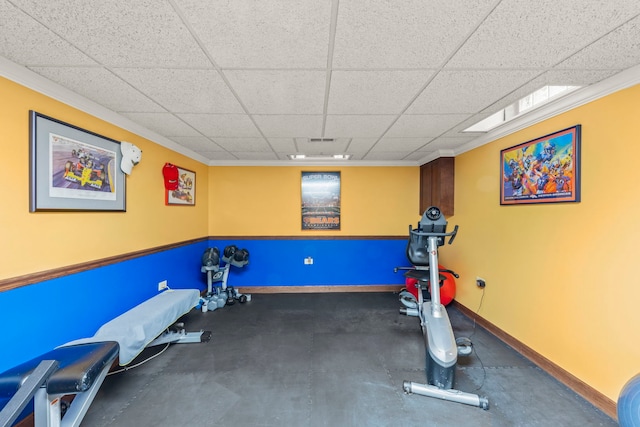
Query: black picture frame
pixel 543 170
pixel 73 169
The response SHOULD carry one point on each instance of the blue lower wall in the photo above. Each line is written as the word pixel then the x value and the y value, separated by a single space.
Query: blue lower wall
pixel 336 262
pixel 44 315
pixel 39 317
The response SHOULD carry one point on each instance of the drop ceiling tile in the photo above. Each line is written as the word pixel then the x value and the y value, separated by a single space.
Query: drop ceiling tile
pixel 261 34
pixel 121 33
pixel 239 145
pixel 361 145
pixel 162 123
pixel 446 143
pixel 197 143
pixel 352 126
pixel 101 86
pixel 386 155
pixel 573 77
pixel 218 155
pixel 424 126
pixel 540 34
pixel 450 142
pixel 410 34
pixel 617 50
pixel 468 91
pixel 182 90
pixel 400 144
pixel 374 92
pixel 222 125
pixel 279 91
pixel 282 126
pixel 422 157
pixel 253 155
pixel 38 45
pixel 283 145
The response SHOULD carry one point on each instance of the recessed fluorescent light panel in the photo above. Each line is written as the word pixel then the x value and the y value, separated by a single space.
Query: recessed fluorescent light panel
pixel 319 157
pixel 322 145
pixel 522 106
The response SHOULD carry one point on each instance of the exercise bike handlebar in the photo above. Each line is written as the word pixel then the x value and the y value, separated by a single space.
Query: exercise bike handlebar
pixel 434 234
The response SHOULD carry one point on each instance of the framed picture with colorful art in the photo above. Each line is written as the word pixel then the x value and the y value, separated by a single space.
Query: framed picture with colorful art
pixel 73 169
pixel 543 170
pixel 185 194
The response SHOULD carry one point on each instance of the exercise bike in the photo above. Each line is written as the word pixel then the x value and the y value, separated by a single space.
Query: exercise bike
pixel 220 295
pixel 442 349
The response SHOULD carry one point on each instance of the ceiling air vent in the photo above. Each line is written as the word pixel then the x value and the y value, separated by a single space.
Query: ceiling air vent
pixel 321 139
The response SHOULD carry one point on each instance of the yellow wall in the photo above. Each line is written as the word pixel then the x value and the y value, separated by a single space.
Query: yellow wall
pixel 32 242
pixel 561 278
pixel 265 201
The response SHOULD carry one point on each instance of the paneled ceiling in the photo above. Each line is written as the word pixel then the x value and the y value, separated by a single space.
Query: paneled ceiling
pixel 252 81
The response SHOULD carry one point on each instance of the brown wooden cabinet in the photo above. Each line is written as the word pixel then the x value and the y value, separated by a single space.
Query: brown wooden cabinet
pixel 436 185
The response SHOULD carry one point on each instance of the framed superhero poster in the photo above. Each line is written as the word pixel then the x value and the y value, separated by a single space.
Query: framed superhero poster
pixel 543 170
pixel 72 169
pixel 320 200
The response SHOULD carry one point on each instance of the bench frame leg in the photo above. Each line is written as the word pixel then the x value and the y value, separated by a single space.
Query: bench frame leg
pixel 47 411
pixel 181 337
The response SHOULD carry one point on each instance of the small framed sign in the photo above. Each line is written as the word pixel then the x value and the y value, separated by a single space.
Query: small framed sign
pixel 185 194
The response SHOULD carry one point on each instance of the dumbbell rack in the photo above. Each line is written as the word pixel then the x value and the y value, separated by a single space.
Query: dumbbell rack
pixel 219 296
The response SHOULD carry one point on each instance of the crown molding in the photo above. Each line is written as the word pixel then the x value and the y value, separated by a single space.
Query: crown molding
pixel 323 163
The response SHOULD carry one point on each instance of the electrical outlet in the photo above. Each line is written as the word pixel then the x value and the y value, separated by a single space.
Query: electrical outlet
pixel 480 282
pixel 308 260
pixel 162 285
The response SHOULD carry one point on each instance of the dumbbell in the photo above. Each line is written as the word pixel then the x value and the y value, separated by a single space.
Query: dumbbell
pixel 241 256
pixel 211 257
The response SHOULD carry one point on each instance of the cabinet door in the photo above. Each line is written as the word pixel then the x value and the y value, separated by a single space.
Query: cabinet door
pixel 426 193
pixel 437 185
pixel 445 181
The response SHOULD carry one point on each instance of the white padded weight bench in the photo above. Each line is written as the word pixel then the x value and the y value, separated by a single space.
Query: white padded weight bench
pixel 147 324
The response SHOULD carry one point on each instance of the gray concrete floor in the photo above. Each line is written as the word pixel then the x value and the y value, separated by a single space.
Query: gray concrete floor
pixel 328 360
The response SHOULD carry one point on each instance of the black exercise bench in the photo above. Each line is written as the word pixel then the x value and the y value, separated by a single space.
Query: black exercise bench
pixel 81 370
